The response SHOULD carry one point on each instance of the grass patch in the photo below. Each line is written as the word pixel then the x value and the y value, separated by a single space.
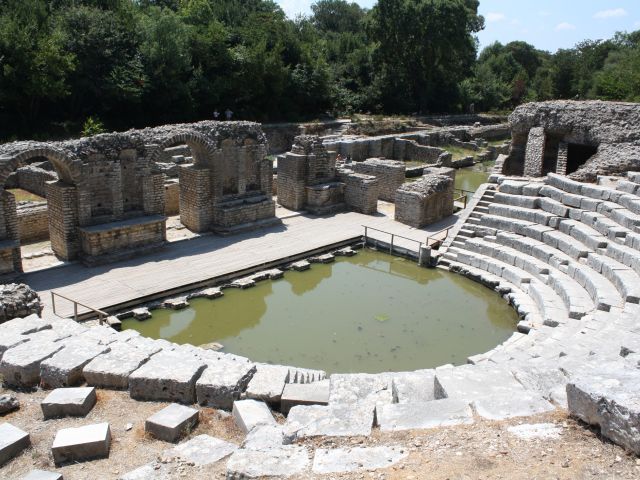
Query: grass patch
pixel 458 153
pixel 496 143
pixel 24 196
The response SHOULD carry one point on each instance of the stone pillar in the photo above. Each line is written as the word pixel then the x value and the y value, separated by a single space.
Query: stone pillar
pixel 534 153
pixel 13 259
pixel 196 206
pixel 563 153
pixel 242 155
pixel 63 219
pixel 115 178
pixel 292 170
pixel 153 194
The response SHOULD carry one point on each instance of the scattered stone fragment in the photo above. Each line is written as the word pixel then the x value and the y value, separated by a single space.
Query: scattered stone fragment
pixel 176 303
pixel 8 403
pixel 268 383
pixel 64 369
pixel 275 274
pixel 325 258
pixel 42 475
pixel 223 381
pixel 345 252
pixel 503 406
pixel 12 442
pixel 329 421
pixel 316 393
pixel 141 313
pixel 150 471
pixel 361 388
pixel 172 422
pixel 243 283
pixel 20 366
pixel 436 413
pixel 167 376
pixel 413 387
pixel 72 402
pixel 215 346
pixel 250 413
pixel 281 462
pixel 112 369
pixel 342 460
pixel 82 443
pixel 528 431
pixel 201 450
pixel 213 292
pixel 263 437
pixel 301 266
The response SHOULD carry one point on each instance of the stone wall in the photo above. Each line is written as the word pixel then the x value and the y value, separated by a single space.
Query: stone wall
pixel 360 192
pixel 425 201
pixel 18 300
pixel 33 222
pixel 390 175
pixel 34 179
pixel 171 197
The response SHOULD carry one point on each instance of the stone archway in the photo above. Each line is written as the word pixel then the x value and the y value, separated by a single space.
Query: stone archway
pixel 201 147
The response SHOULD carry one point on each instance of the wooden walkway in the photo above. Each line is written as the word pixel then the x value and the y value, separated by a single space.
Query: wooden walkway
pixel 194 262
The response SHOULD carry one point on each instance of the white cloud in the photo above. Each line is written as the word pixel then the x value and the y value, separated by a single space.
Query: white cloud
pixel 544 13
pixel 495 17
pixel 564 26
pixel 611 13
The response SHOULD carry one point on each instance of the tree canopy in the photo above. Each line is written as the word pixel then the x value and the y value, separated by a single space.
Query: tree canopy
pixel 128 63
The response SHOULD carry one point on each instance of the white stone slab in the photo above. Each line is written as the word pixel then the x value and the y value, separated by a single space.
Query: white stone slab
pixel 172 422
pixel 222 382
pixel 82 443
pixel 74 402
pixel 316 393
pixel 12 442
pixel 413 387
pixel 505 405
pixel 436 413
pixel 20 366
pixel 201 450
pixel 150 471
pixel 362 388
pixel 342 460
pixel 329 421
pixel 267 383
pixel 280 462
pixel 42 475
pixel 264 437
pixel 24 326
pixel 112 369
pixel 250 413
pixel 64 369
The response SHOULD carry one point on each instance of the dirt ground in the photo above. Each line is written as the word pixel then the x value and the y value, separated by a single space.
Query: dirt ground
pixel 484 450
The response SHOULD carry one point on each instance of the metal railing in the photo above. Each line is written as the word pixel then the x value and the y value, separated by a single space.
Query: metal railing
pixel 438 241
pixel 102 316
pixel 463 195
pixel 393 237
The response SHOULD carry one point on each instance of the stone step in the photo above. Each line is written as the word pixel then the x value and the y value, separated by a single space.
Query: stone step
pixel 81 443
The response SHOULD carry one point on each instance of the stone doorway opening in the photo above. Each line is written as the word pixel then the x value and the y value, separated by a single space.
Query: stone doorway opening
pixel 578 154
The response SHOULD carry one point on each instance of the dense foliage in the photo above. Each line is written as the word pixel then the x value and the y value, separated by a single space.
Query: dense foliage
pixel 65 64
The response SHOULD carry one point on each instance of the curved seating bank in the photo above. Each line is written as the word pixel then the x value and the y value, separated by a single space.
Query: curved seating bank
pixel 564 253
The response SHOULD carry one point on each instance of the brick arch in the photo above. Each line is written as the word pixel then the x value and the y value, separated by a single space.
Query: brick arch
pixel 201 147
pixel 66 165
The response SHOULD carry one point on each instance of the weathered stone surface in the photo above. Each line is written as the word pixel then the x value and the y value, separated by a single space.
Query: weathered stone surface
pixel 267 383
pixel 280 462
pixel 331 421
pixel 73 402
pixel 530 431
pixel 150 471
pixel 223 381
pixel 413 387
pixel 611 400
pixel 436 413
pixel 12 442
pixel 341 460
pixel 167 376
pixel 362 388
pixel 18 300
pixel 112 369
pixel 306 375
pixel 176 303
pixel 505 405
pixel 82 443
pixel 42 475
pixel 250 413
pixel 301 266
pixel 64 369
pixel 148 345
pixel 172 422
pixel 425 201
pixel 316 393
pixel 24 326
pixel 20 366
pixel 8 403
pixel 201 450
pixel 213 292
pixel 264 437
pixel 141 313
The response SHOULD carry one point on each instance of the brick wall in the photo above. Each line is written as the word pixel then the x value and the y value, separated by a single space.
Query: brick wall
pixel 171 198
pixel 390 175
pixel 113 238
pixel 360 192
pixel 33 222
pixel 425 201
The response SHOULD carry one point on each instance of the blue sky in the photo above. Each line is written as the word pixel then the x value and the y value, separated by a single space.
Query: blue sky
pixel 546 24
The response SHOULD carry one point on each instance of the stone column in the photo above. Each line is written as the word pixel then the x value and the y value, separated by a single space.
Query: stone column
pixel 11 232
pixel 63 219
pixel 196 208
pixel 563 153
pixel 153 194
pixel 534 153
pixel 292 169
pixel 242 154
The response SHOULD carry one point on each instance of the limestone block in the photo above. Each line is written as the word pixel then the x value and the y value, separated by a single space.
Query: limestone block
pixel 361 388
pixel 330 421
pixel 301 266
pixel 10 340
pixel 251 413
pixel 470 382
pixel 412 387
pixel 112 369
pixel 316 393
pixel 172 422
pixel 212 293
pixel 102 334
pixel 264 437
pixel 431 414
pixel 24 326
pixel 141 313
pixel 42 475
pixel 20 366
pixel 282 462
pixel 167 376
pixel 150 471
pixel 176 303
pixel 243 283
pixel 148 345
pixel 223 381
pixel 201 450
pixel 267 383
pixel 505 405
pixel 64 369
pixel 343 460
pixel 72 402
pixel 82 443
pixel 12 442
pixel 306 375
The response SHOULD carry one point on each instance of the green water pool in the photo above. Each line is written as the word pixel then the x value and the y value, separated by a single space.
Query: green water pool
pixel 470 178
pixel 369 313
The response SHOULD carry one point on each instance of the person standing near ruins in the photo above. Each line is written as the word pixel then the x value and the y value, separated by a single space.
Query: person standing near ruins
pixel 228 113
pixel 216 114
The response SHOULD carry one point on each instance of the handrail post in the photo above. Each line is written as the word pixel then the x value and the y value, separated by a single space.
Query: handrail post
pixel 53 302
pixel 391 246
pixel 75 311
pixel 365 236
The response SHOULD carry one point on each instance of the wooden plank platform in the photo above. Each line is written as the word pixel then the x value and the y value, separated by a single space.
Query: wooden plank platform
pixel 198 260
